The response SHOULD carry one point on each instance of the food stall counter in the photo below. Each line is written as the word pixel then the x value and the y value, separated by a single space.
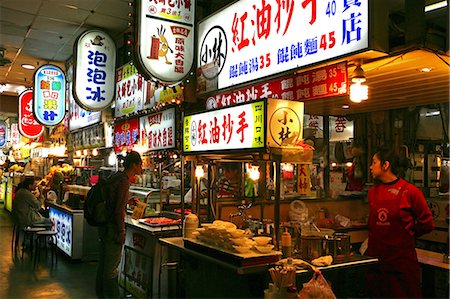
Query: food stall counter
pixel 141 270
pixel 431 258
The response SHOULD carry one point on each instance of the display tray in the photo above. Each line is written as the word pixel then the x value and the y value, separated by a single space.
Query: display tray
pixel 239 259
pixel 162 219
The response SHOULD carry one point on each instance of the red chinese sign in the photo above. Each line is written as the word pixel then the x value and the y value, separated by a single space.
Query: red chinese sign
pixel 28 126
pixel 126 134
pixel 328 81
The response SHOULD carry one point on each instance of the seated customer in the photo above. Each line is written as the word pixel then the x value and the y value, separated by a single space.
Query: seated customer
pixel 26 206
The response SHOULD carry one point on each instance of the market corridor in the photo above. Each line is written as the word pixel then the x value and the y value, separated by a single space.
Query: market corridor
pixel 19 279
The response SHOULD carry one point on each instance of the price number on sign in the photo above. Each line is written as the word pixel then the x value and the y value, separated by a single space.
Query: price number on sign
pixel 330 43
pixel 331 8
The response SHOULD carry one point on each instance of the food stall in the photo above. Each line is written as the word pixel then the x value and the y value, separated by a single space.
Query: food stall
pixel 265 134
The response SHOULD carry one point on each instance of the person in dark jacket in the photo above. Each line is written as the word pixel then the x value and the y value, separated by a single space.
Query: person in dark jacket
pixel 26 207
pixel 112 234
pixel 398 215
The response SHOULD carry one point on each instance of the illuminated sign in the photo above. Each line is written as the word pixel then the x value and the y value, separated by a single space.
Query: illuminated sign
pixel 79 117
pixel 49 103
pixel 62 223
pixel 2 133
pixel 165 38
pixel 130 90
pixel 28 126
pixel 126 134
pixel 328 81
pixel 158 130
pixel 252 39
pixel 240 127
pixel 95 66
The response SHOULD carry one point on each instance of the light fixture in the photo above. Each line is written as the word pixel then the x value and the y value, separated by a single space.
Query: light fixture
pixel 94 152
pixel 435 6
pixel 71 6
pixel 358 75
pixel 199 172
pixel 20 89
pixel 425 69
pixel 345 106
pixel 359 92
pixel 78 153
pixel 85 152
pixel 2 87
pixel 254 172
pixel 28 66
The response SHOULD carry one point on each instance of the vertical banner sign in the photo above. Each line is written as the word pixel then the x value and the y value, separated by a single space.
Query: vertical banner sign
pixel 2 133
pixel 15 134
pixel 49 97
pixel 253 39
pixel 130 90
pixel 126 134
pixel 28 126
pixel 158 130
pixel 165 38
pixel 95 66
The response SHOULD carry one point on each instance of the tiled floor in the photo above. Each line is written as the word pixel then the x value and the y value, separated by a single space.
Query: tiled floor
pixel 19 279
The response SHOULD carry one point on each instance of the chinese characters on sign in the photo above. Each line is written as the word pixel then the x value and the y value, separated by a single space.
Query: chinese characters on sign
pixel 126 134
pixel 257 38
pixel 130 90
pixel 240 127
pixel 49 105
pixel 2 133
pixel 28 126
pixel 95 64
pixel 285 123
pixel 165 34
pixel 158 130
pixel 79 117
pixel 323 82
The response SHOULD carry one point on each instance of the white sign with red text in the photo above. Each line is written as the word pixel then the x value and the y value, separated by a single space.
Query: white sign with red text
pixel 239 127
pixel 158 130
pixel 256 38
pixel 165 33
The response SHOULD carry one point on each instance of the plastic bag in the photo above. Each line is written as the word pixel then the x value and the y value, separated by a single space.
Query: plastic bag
pixel 317 287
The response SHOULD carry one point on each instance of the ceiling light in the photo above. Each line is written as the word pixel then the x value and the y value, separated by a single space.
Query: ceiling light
pixel 345 106
pixel 435 6
pixel 358 75
pixel 359 92
pixel 71 6
pixel 28 66
pixel 2 87
pixel 20 89
pixel 425 69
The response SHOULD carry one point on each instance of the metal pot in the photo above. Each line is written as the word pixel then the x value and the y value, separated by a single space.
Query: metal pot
pixel 312 247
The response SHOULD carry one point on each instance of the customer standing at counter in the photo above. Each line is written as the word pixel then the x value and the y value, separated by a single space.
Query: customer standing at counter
pixel 112 235
pixel 398 215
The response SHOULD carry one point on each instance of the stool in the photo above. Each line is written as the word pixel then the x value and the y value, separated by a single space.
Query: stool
pixel 42 238
pixel 29 232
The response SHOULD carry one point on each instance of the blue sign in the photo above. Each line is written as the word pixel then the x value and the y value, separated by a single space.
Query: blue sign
pixel 49 95
pixel 62 223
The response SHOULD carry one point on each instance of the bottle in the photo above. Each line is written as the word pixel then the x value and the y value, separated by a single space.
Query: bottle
pixel 190 225
pixel 286 244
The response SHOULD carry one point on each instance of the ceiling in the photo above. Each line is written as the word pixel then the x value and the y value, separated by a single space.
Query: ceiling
pixel 43 31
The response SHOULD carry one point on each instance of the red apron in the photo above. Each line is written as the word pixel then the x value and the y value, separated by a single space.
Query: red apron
pixel 398 273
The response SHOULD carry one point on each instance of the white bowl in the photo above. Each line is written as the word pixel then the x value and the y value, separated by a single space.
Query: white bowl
pixel 264 249
pixel 242 249
pixel 240 241
pixel 236 233
pixel 262 240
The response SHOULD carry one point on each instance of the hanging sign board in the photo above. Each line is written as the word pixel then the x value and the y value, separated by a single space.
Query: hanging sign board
pixel 126 134
pixel 2 133
pixel 49 103
pixel 253 39
pixel 131 90
pixel 165 38
pixel 158 130
pixel 28 126
pixel 95 66
pixel 269 122
pixel 324 82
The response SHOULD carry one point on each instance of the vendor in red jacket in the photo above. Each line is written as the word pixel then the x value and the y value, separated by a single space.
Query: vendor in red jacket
pixel 398 215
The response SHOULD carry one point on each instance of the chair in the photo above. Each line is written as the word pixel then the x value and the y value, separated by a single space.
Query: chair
pixel 29 233
pixel 43 238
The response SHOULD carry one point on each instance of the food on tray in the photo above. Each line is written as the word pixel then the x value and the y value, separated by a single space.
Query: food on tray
pixel 162 221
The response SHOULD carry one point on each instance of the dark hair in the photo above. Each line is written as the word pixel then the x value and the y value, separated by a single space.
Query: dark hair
pixel 131 158
pixel 398 165
pixel 26 183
